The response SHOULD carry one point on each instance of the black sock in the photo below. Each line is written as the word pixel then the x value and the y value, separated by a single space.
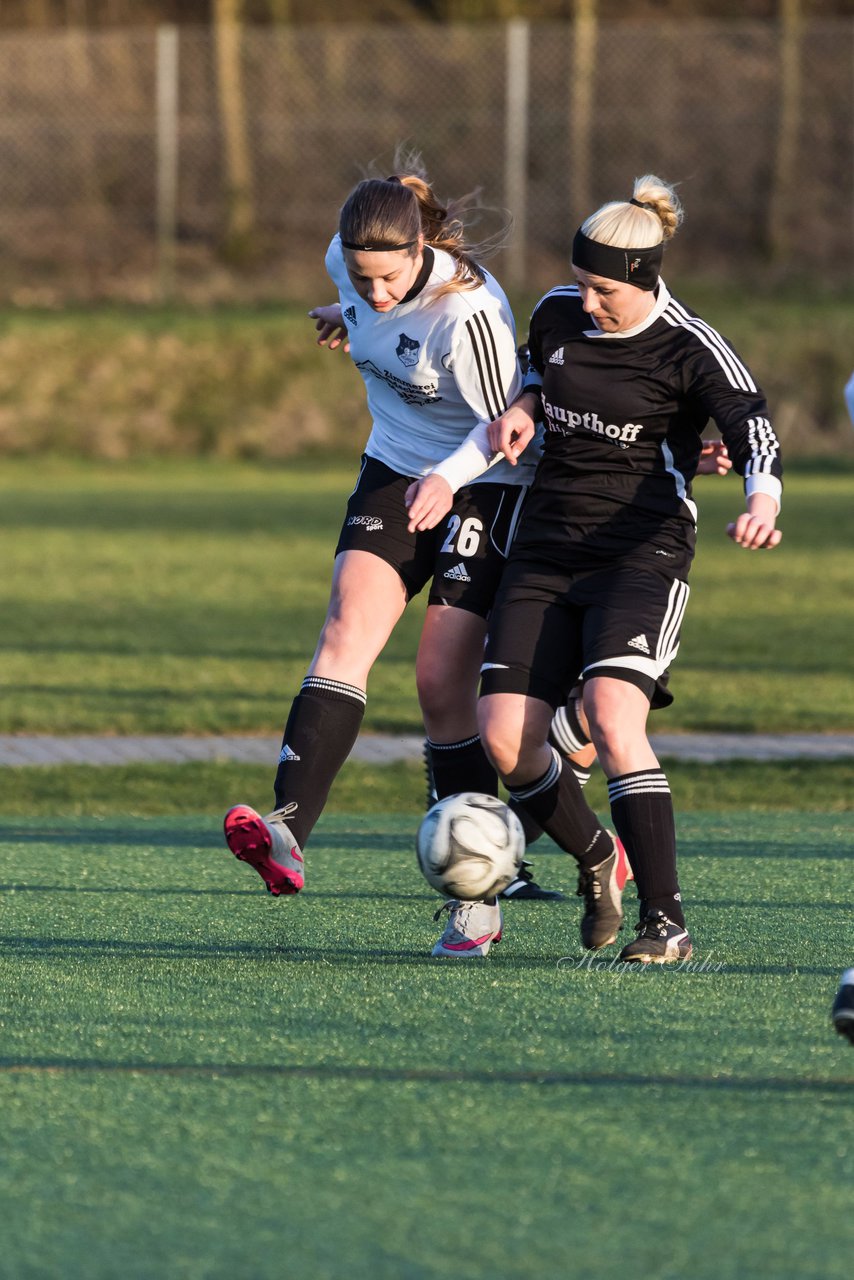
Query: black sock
pixel 642 809
pixel 530 826
pixel 582 775
pixel 461 766
pixel 566 732
pixel 556 802
pixel 323 724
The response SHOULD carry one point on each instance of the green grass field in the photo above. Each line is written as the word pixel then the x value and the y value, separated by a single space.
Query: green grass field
pixel 187 597
pixel 203 1083
pixel 249 381
pixel 200 1081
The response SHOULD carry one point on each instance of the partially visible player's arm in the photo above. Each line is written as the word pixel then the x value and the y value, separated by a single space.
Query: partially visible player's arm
pixel 756 527
pixel 330 326
pixel 714 459
pixel 431 497
pixel 485 367
pixel 726 388
pixel 511 434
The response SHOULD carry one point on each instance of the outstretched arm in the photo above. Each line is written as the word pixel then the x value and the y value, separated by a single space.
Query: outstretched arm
pixel 330 326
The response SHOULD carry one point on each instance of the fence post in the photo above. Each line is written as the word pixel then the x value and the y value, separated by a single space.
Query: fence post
pixel 167 158
pixel 517 87
pixel 581 84
pixel 784 182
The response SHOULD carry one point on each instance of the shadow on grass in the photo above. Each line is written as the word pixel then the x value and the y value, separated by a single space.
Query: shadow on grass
pixel 386 1075
pixel 354 957
pixel 126 837
pixel 131 836
pixel 748 904
pixel 181 891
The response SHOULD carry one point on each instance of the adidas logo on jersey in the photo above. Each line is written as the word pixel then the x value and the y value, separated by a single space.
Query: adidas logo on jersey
pixel 286 755
pixel 640 642
pixel 459 573
pixel 350 317
pixel 556 357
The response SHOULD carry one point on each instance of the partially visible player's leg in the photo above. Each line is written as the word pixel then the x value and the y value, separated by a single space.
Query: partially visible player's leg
pixel 366 602
pixel 533 658
pixel 621 677
pixel 843 1006
pixel 471 551
pixel 447 668
pixel 515 730
pixel 470 930
pixel 568 734
pixel 447 671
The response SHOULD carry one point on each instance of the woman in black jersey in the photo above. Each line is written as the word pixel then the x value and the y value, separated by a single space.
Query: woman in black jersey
pixel 626 378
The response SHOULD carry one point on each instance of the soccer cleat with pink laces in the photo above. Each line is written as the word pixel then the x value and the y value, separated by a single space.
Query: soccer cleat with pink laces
pixel 268 845
pixel 471 929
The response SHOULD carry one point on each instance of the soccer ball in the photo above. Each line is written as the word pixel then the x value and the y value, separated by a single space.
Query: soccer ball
pixel 470 846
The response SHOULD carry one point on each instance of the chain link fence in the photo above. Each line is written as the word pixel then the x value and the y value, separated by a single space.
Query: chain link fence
pixel 209 165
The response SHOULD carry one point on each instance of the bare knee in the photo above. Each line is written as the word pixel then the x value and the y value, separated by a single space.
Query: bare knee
pixel 514 739
pixel 617 713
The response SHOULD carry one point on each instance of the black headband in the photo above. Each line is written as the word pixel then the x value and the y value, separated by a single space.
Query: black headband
pixel 639 267
pixel 379 247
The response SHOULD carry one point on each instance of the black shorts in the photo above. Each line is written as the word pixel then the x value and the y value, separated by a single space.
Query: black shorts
pixel 464 555
pixel 548 627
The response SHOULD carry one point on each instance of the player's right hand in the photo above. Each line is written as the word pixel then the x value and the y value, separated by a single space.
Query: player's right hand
pixel 511 433
pixel 331 329
pixel 427 501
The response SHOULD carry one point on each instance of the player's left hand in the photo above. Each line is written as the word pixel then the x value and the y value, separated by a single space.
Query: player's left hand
pixel 755 528
pixel 427 501
pixel 752 532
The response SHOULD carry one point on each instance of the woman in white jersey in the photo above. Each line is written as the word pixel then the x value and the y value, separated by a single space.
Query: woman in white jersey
pixel 433 336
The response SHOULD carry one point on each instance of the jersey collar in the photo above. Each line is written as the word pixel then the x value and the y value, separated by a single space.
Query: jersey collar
pixel 422 277
pixel 662 297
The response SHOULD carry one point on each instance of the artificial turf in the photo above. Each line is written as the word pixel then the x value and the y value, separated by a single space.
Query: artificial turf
pixel 200 1081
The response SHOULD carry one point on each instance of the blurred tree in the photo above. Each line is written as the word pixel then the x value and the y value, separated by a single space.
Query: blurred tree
pixel 240 229
pixel 101 13
pixel 785 176
pixel 581 83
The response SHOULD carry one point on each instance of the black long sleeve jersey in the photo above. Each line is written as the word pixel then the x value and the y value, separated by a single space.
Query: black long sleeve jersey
pixel 624 415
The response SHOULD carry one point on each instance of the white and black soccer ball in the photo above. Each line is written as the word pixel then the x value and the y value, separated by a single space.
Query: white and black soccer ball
pixel 470 846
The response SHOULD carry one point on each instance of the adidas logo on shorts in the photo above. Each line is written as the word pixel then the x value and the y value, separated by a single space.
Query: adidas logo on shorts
pixel 640 642
pixel 459 573
pixel 287 754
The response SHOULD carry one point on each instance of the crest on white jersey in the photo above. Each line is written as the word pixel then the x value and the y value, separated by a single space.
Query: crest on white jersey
pixel 408 350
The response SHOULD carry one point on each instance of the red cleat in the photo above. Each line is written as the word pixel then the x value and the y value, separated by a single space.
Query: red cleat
pixel 268 845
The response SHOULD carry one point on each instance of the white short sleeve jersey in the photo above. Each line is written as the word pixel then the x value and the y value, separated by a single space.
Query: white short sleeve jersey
pixel 435 368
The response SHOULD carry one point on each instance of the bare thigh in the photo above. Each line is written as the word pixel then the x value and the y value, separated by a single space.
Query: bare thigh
pixel 365 604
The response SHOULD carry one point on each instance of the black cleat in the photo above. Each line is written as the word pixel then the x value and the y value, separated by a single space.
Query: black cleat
pixel 843 1006
pixel 525 887
pixel 602 891
pixel 658 941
